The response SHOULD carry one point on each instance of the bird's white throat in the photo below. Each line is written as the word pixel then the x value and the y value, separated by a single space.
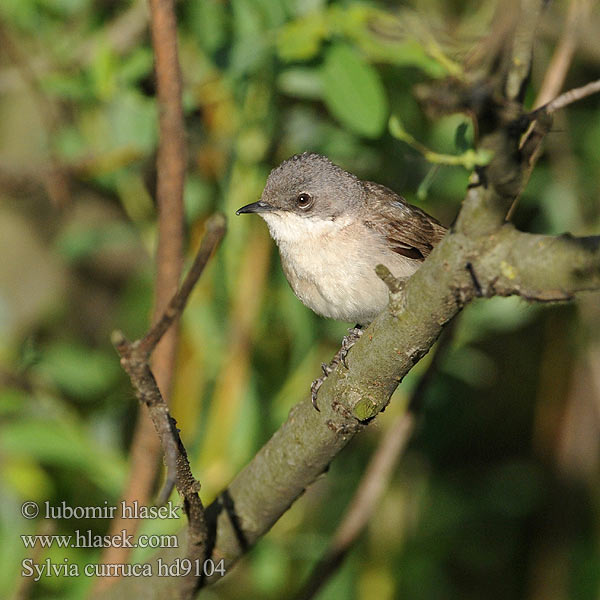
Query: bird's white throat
pixel 290 228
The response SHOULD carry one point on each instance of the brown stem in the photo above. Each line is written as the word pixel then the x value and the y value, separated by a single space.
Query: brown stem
pixel 558 68
pixel 553 81
pixel 134 359
pixel 135 362
pixel 363 504
pixel 502 262
pixel 215 230
pixel 170 166
pixel 571 96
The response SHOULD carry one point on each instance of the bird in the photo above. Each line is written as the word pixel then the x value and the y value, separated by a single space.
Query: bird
pixel 333 229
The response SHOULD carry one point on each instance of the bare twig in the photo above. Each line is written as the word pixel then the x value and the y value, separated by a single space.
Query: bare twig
pixel 135 363
pixel 558 68
pixel 363 504
pixel 134 359
pixel 541 121
pixel 170 166
pixel 503 260
pixel 215 230
pixel 531 142
pixel 571 96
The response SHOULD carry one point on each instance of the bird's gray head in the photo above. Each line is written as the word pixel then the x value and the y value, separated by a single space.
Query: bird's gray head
pixel 303 191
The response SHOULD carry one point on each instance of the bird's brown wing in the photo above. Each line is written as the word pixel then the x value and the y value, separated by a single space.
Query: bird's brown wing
pixel 409 230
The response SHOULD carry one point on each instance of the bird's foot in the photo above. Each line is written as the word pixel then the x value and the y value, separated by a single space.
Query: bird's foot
pixel 348 341
pixel 318 382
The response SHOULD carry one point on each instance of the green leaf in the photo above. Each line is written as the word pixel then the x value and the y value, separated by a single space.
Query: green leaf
pixel 64 444
pixel 301 82
pixel 207 20
pixel 80 371
pixel 302 39
pixel 353 91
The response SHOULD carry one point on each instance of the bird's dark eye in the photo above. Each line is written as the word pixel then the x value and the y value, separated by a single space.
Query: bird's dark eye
pixel 304 201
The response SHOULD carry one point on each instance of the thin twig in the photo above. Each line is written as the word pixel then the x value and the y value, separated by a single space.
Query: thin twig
pixel 376 477
pixel 134 359
pixel 170 171
pixel 541 118
pixel 135 363
pixel 506 262
pixel 571 96
pixel 215 230
pixel 531 142
pixel 363 504
pixel 562 57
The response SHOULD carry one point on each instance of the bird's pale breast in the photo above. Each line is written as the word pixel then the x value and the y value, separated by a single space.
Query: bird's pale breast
pixel 330 265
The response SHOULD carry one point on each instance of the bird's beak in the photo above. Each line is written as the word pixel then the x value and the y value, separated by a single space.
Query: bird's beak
pixel 255 207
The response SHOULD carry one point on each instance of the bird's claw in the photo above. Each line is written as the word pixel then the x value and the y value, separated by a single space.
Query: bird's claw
pixel 314 390
pixel 348 341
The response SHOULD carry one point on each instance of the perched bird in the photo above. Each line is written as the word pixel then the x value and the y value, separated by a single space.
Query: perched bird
pixel 333 229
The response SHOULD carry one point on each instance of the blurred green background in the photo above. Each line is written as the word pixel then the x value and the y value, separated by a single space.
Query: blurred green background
pixel 498 495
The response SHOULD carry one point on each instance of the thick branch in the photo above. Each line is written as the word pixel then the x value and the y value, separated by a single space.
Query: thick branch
pixel 363 504
pixel 508 262
pixel 539 267
pixel 479 256
pixel 377 475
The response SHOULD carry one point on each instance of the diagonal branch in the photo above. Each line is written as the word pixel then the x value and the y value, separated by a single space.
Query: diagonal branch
pixel 363 504
pixel 571 96
pixel 170 172
pixel 136 365
pixel 134 359
pixel 303 447
pixel 552 84
pixel 215 230
pixel 376 477
pixel 504 262
pixel 480 255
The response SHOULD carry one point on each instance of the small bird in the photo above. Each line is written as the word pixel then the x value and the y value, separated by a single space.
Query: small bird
pixel 333 229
